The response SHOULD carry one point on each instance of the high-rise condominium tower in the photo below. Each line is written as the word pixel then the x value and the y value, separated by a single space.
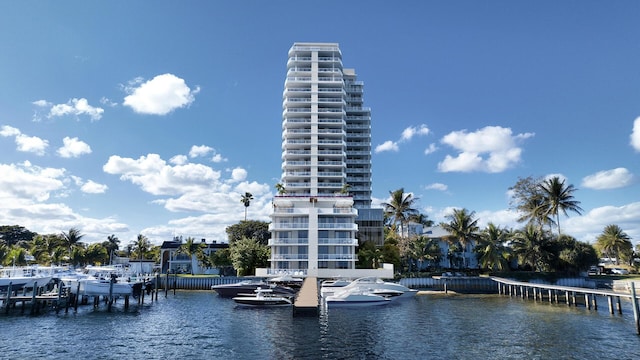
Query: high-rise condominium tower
pixel 325 189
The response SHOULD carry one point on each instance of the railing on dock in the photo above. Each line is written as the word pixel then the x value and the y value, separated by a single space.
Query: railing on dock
pixel 569 295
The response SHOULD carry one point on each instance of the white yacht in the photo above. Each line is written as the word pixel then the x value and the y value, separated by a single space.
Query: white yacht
pixel 355 297
pixel 262 297
pixel 374 286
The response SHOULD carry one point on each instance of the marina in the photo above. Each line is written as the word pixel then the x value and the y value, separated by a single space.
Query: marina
pixel 200 324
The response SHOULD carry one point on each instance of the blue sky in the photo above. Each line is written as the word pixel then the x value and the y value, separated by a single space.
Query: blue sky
pixel 154 117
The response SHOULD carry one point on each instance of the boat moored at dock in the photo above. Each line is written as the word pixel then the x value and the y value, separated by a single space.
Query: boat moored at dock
pixel 262 297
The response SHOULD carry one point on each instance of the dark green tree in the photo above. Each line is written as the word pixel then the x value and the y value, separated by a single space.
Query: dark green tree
pixel 247 255
pixel 493 254
pixel 251 229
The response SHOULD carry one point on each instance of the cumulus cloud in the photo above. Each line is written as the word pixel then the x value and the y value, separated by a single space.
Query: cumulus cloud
pixel 412 131
pixel 179 160
pixel 387 146
pixel 92 187
pixel 25 143
pixel 74 107
pixel 406 135
pixel 31 144
pixel 436 186
pixel 201 150
pixel 29 182
pixel 7 131
pixel 238 174
pixel 431 149
pixel 73 148
pixel 588 226
pixel 635 134
pixel 608 179
pixel 157 177
pixel 491 149
pixel 218 158
pixel 160 95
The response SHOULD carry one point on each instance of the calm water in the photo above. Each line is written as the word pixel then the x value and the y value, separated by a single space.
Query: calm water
pixel 200 325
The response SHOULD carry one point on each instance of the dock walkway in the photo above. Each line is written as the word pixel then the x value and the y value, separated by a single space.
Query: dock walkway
pixel 554 293
pixel 307 302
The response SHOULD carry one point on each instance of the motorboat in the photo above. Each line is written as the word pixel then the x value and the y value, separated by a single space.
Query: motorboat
pixel 249 286
pixel 262 297
pixel 104 287
pixel 24 277
pixel 331 286
pixel 355 298
pixel 375 286
pixel 287 280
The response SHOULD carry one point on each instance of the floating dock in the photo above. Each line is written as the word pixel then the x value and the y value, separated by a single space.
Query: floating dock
pixel 307 301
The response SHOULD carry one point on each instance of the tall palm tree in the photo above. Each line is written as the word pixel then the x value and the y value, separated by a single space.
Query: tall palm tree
pixel 141 246
pixel 534 212
pixel 463 228
pixel 558 198
pixel 613 242
pixel 112 245
pixel 246 200
pixel 494 255
pixel 400 208
pixel 71 239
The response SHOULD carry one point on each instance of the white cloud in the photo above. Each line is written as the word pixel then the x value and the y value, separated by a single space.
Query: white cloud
pixel 92 187
pixel 31 144
pixel 7 131
pixel 42 103
pixel 491 149
pixel 73 148
pixel 156 177
pixel 436 186
pixel 431 149
pixel 179 160
pixel 635 134
pixel 25 181
pixel 75 107
pixel 412 131
pixel 160 95
pixel 608 179
pixel 387 146
pixel 238 174
pixel 217 158
pixel 106 101
pixel 201 150
pixel 406 135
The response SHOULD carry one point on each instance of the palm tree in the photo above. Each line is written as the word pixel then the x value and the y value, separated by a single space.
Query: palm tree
pixel 532 246
pixel 534 212
pixel 71 239
pixel 280 188
pixel 400 208
pixel 463 228
pixel 613 242
pixel 558 198
pixel 246 200
pixel 494 255
pixel 192 249
pixel 112 244
pixel 141 246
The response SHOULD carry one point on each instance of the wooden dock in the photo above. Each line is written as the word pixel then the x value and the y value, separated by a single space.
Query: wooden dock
pixel 569 295
pixel 307 301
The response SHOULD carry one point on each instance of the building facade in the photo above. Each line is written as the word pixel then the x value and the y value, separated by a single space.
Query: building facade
pixel 172 260
pixel 326 166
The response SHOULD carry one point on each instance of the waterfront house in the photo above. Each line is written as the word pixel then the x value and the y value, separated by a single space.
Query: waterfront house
pixel 174 261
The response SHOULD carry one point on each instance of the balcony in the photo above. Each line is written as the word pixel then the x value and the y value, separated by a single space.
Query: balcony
pixel 334 241
pixel 336 257
pixel 288 226
pixel 341 226
pixel 296 241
